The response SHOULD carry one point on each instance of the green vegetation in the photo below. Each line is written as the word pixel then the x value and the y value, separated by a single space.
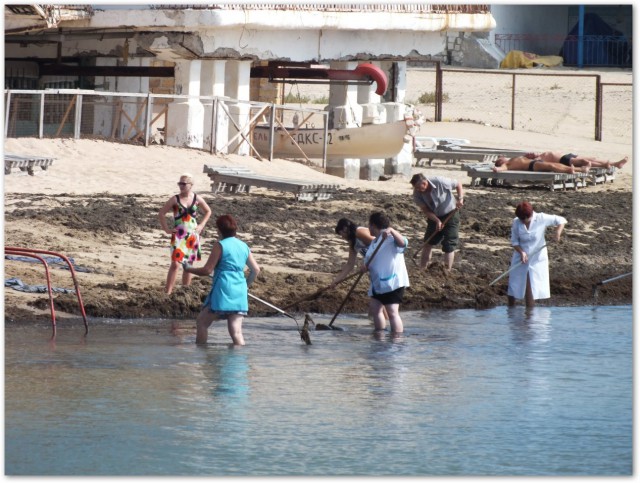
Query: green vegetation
pixel 293 98
pixel 298 99
pixel 430 98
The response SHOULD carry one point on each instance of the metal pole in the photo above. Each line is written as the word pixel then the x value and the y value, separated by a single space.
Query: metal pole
pixel 272 121
pixel 598 109
pixel 616 278
pixel 581 36
pixel 147 122
pixel 214 126
pixel 78 119
pixel 438 108
pixel 6 115
pixel 513 102
pixel 41 120
pixel 326 140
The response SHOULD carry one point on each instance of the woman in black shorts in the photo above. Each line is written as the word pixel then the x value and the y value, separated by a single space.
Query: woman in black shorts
pixel 387 271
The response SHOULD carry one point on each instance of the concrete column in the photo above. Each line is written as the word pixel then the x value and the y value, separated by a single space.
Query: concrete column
pixel 397 75
pixel 400 83
pixel 104 115
pixel 344 111
pixel 186 116
pixel 212 84
pixel 372 113
pixel 134 109
pixel 238 86
pixel 402 162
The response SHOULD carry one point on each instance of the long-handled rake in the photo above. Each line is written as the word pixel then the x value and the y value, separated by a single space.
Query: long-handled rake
pixel 481 292
pixel 330 326
pixel 424 244
pixel 597 285
pixel 516 265
pixel 304 332
pixel 316 294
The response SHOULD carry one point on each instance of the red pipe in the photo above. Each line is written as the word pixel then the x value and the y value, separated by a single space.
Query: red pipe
pixel 73 276
pixel 9 251
pixel 375 73
pixel 363 72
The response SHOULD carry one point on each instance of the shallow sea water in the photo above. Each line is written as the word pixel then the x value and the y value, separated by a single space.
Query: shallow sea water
pixel 464 392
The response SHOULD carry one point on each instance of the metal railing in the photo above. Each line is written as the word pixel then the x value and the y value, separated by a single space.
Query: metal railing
pixel 507 99
pixel 597 50
pixel 35 253
pixel 405 7
pixel 146 118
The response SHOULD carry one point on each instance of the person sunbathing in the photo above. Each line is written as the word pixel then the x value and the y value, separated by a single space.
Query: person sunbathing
pixel 524 163
pixel 575 160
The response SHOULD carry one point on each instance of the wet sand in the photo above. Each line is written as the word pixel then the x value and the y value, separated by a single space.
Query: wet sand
pixel 99 204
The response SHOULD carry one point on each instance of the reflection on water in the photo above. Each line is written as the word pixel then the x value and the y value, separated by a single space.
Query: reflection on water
pixel 530 324
pixel 506 391
pixel 385 367
pixel 228 373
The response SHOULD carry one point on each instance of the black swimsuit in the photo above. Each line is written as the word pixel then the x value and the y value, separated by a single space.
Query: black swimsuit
pixel 532 163
pixel 566 159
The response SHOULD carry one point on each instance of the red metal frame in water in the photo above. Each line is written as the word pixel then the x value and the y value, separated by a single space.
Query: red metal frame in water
pixel 31 252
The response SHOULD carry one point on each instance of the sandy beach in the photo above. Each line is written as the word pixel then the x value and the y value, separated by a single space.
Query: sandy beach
pixel 98 203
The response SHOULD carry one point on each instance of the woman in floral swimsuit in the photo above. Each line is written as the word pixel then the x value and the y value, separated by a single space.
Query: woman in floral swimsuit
pixel 185 233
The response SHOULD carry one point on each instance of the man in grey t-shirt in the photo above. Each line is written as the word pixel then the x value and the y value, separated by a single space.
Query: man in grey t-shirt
pixel 435 197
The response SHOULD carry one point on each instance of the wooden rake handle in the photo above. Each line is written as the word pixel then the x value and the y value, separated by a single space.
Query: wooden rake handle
pixel 355 283
pixel 535 252
pixel 317 293
pixel 446 220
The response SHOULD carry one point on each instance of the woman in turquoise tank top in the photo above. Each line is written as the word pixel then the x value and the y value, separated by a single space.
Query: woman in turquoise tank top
pixel 228 297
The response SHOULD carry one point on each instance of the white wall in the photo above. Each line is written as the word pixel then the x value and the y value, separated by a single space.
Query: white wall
pixel 549 20
pixel 530 19
pixel 312 45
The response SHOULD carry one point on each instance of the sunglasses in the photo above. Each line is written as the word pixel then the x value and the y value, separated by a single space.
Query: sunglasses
pixel 180 183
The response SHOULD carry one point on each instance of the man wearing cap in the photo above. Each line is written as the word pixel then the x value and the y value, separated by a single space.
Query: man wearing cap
pixel 435 197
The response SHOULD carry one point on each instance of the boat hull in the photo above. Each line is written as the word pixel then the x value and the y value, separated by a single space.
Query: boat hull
pixel 369 141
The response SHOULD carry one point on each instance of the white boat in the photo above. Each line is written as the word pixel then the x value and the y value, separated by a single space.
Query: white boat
pixel 368 141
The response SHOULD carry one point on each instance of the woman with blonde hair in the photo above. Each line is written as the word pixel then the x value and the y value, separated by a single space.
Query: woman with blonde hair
pixel 185 232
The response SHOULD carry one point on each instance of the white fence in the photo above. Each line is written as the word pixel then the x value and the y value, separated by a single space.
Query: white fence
pixel 228 124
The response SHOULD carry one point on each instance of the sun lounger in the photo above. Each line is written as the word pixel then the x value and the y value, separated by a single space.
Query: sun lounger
pixel 427 156
pixel 429 142
pixel 452 152
pixel 509 153
pixel 482 174
pixel 240 180
pixel 25 163
pixel 602 175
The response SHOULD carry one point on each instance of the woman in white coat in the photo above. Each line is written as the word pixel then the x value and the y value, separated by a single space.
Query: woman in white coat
pixel 529 276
